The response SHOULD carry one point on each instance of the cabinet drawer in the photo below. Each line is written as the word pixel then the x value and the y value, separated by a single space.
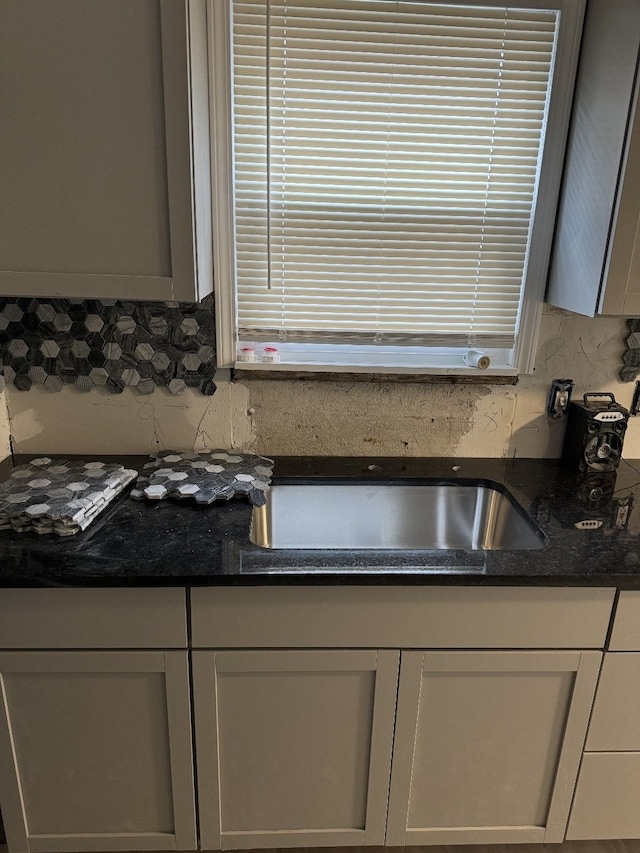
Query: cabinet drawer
pixel 626 627
pixel 615 724
pixel 607 796
pixel 405 617
pixel 92 619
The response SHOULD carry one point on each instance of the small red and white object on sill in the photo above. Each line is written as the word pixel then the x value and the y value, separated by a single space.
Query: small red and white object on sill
pixel 247 353
pixel 270 354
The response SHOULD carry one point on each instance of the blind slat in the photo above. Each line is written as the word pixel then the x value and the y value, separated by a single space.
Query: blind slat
pixel 387 156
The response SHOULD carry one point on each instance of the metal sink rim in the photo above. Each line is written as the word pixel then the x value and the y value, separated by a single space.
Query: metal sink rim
pixel 259 516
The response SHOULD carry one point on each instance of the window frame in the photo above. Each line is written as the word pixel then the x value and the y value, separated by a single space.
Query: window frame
pixel 219 27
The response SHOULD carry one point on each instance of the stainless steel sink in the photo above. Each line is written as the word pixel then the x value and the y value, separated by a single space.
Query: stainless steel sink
pixel 477 516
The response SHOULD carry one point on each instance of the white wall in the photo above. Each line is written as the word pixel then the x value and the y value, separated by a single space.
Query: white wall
pixel 340 418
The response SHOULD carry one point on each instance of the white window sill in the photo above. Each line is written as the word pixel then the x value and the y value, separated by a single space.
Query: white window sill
pixel 378 359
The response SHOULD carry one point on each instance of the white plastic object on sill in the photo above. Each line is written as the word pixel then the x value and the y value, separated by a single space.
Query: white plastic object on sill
pixel 246 354
pixel 476 358
pixel 271 355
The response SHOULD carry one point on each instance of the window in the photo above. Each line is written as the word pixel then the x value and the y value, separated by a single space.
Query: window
pixel 395 173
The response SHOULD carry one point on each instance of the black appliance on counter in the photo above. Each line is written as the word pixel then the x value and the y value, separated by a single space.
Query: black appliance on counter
pixel 595 434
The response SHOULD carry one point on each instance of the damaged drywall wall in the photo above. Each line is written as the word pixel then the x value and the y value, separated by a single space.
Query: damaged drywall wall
pixel 307 417
pixel 361 418
pixel 301 417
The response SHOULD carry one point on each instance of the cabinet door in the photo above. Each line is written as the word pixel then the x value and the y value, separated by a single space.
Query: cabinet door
pixel 487 745
pixel 100 103
pixel 293 747
pixel 95 751
pixel 615 722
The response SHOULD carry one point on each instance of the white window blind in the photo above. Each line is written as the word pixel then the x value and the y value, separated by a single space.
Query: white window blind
pixel 387 157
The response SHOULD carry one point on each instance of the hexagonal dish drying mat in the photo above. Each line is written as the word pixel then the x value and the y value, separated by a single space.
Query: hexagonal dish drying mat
pixel 205 477
pixel 58 496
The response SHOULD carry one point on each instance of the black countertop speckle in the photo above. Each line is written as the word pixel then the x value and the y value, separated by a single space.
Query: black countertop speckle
pixel 175 543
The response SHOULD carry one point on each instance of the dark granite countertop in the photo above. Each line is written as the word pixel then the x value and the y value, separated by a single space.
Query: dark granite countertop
pixel 175 543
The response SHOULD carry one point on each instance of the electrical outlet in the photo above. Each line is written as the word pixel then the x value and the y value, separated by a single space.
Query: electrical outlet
pixel 559 398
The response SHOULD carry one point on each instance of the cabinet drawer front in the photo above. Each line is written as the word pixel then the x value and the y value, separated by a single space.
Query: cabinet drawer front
pixel 92 619
pixel 606 800
pixel 405 617
pixel 615 724
pixel 626 627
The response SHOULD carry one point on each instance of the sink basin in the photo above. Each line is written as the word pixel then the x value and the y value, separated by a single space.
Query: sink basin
pixel 419 515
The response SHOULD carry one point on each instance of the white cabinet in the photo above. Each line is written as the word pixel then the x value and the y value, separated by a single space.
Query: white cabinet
pixel 407 617
pixel 323 716
pixel 486 744
pixel 595 267
pixel 96 751
pixel 608 790
pixel 293 748
pixel 103 107
pixel 606 803
pixel 95 745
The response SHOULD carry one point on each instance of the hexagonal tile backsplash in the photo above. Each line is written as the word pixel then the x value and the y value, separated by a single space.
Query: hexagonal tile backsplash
pixel 109 344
